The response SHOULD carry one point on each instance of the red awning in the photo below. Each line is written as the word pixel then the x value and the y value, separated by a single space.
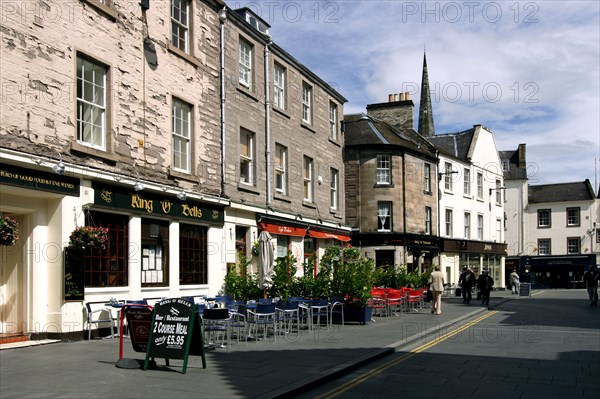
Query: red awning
pixel 283 230
pixel 323 234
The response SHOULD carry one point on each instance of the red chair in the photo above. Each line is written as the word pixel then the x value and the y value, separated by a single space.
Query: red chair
pixel 394 301
pixel 413 300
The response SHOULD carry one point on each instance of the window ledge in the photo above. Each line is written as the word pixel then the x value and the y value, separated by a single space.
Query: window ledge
pixel 427 192
pixel 182 54
pixel 282 197
pixel 248 188
pixel 247 91
pixel 379 185
pixel 107 10
pixel 307 127
pixel 281 112
pixel 335 213
pixel 75 146
pixel 334 142
pixel 308 204
pixel 181 175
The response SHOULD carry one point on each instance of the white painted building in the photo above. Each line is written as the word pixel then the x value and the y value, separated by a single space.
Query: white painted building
pixel 471 203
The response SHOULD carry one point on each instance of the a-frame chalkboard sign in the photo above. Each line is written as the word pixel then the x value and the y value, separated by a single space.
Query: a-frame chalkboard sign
pixel 176 332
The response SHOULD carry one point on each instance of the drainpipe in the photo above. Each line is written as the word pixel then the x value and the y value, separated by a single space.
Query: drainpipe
pixel 222 18
pixel 267 123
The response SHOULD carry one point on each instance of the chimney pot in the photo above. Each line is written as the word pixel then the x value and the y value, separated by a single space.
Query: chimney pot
pixel 395 97
pixel 401 96
pixel 390 98
pixel 407 96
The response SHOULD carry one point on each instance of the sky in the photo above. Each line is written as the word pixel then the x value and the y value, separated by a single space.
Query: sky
pixel 528 70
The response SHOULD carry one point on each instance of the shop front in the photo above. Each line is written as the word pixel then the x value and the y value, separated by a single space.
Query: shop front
pixel 556 271
pixel 457 254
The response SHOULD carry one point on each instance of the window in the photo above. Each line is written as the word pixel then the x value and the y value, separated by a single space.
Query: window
pixel 282 246
pixel 449 222
pixel 480 227
pixel 573 217
pixel 427 178
pixel 280 169
pixel 498 230
pixel 467 225
pixel 180 24
pixel 384 216
pixel 505 165
pixel 448 176
pixel 544 246
pixel 544 218
pixel 308 179
pixel 109 267
pixel 498 193
pixel 246 157
pixel 91 103
pixel 573 245
pixel 155 253
pixel 181 129
pixel 279 86
pixel 333 121
pixel 306 103
pixel 384 258
pixel 479 186
pixel 467 183
pixel 245 63
pixel 193 264
pixel 384 169
pixel 428 229
pixel 333 189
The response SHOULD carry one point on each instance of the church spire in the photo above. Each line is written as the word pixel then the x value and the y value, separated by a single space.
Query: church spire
pixel 425 110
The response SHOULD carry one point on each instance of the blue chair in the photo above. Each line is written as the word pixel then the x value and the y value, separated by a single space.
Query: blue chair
pixel 319 308
pixel 336 308
pixel 217 322
pixel 264 315
pixel 288 313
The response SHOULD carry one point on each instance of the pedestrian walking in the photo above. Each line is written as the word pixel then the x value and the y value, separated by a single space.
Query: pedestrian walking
pixel 485 283
pixel 466 282
pixel 436 285
pixel 514 282
pixel 591 278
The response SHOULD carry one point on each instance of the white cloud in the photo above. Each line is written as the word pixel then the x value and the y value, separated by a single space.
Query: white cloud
pixel 530 71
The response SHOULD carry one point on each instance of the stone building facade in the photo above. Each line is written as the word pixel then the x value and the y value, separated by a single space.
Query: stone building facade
pixel 283 153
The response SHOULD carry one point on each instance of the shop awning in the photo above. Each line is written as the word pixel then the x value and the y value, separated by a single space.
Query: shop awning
pixel 324 234
pixel 283 230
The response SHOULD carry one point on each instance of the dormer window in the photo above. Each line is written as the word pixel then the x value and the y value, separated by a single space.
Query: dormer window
pixel 257 22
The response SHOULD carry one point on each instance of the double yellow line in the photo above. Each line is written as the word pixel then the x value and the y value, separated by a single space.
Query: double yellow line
pixel 378 370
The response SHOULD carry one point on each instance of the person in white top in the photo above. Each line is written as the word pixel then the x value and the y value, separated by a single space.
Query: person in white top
pixel 436 286
pixel 514 282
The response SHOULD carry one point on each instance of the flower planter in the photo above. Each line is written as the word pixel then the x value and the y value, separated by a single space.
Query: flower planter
pixel 357 314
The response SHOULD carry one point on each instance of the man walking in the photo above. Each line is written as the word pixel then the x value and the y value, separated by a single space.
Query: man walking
pixel 591 278
pixel 485 283
pixel 436 285
pixel 466 281
pixel 514 282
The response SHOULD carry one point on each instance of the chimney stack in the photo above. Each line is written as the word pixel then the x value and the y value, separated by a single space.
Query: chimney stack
pixel 398 111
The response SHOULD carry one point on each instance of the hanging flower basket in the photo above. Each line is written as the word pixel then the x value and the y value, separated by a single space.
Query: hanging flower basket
pixel 256 248
pixel 89 237
pixel 9 230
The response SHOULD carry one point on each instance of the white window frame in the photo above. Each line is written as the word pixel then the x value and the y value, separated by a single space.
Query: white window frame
pixel 573 216
pixel 573 245
pixel 428 225
pixel 448 221
pixel 427 178
pixel 384 216
pixel 467 183
pixel 306 103
pixel 279 73
pixel 246 51
pixel 181 128
pixel 334 189
pixel 91 103
pixel 467 221
pixel 498 230
pixel 308 172
pixel 180 17
pixel 384 169
pixel 333 117
pixel 480 227
pixel 281 169
pixel 479 185
pixel 448 184
pixel 542 243
pixel 539 218
pixel 498 193
pixel 247 160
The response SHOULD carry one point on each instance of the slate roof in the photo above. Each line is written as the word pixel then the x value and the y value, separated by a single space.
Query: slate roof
pixel 562 192
pixel 455 145
pixel 513 172
pixel 363 130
